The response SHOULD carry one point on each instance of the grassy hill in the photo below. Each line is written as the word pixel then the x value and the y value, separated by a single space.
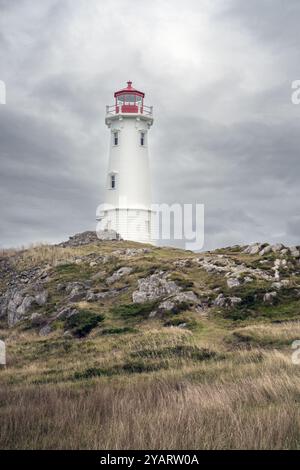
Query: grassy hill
pixel 120 345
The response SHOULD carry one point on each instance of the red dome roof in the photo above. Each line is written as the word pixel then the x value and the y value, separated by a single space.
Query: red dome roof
pixel 129 90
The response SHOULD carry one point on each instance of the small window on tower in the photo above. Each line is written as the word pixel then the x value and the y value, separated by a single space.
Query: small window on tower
pixel 143 138
pixel 113 181
pixel 116 138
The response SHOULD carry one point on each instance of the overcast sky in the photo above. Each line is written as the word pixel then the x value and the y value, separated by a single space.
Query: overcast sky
pixel 218 73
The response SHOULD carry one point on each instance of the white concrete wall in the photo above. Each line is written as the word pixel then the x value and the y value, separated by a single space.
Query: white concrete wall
pixel 131 224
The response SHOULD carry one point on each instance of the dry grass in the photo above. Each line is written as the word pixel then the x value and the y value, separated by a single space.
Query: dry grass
pixel 268 334
pixel 156 413
pixel 247 399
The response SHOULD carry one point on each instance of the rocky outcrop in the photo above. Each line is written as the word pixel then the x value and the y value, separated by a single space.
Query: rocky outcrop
pixel 81 239
pixel 154 287
pixel 17 303
pixel 38 295
pixel 263 249
pixel 172 302
pixel 236 272
pixel 129 252
pixel 222 301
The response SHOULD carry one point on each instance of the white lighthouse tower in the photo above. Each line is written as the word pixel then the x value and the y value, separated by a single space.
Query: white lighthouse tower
pixel 127 208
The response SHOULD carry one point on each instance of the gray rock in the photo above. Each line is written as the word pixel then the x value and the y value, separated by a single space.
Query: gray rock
pixel 98 296
pixel 76 291
pixel 253 249
pixel 154 287
pixel 220 301
pixel 269 297
pixel 125 271
pixel 66 312
pixel 45 331
pixel 233 282
pixel 277 247
pixel 41 298
pixel 266 250
pixel 182 297
pixel 36 319
pixel 81 239
pixel 234 301
pixel 76 295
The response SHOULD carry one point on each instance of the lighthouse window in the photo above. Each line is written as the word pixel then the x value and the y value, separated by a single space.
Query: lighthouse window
pixel 143 138
pixel 116 138
pixel 113 181
pixel 130 99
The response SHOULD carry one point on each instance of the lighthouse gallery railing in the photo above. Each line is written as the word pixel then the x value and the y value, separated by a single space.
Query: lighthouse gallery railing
pixel 129 108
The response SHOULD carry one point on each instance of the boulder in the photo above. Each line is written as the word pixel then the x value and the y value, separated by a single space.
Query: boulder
pixel 187 297
pixel 266 250
pixel 125 271
pixel 154 287
pixel 81 239
pixel 222 301
pixel 269 297
pixel 96 296
pixel 66 312
pixel 253 249
pixel 233 282
pixel 233 301
pixel 18 306
pixel 277 247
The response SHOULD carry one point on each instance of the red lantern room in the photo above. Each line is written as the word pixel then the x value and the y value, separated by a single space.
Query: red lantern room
pixel 129 100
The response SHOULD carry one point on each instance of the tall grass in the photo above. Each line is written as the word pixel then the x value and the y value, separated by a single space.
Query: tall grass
pixel 259 410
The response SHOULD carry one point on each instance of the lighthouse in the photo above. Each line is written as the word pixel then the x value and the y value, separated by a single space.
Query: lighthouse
pixel 127 208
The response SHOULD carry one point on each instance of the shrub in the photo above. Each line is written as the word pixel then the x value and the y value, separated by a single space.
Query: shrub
pixel 83 322
pixel 134 310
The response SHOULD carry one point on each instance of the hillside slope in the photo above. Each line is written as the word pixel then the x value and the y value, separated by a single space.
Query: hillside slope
pixel 149 347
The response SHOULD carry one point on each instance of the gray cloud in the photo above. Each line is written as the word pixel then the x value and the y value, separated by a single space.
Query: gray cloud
pixel 219 76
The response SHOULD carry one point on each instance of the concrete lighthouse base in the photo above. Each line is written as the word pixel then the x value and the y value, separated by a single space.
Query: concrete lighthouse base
pixel 129 224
